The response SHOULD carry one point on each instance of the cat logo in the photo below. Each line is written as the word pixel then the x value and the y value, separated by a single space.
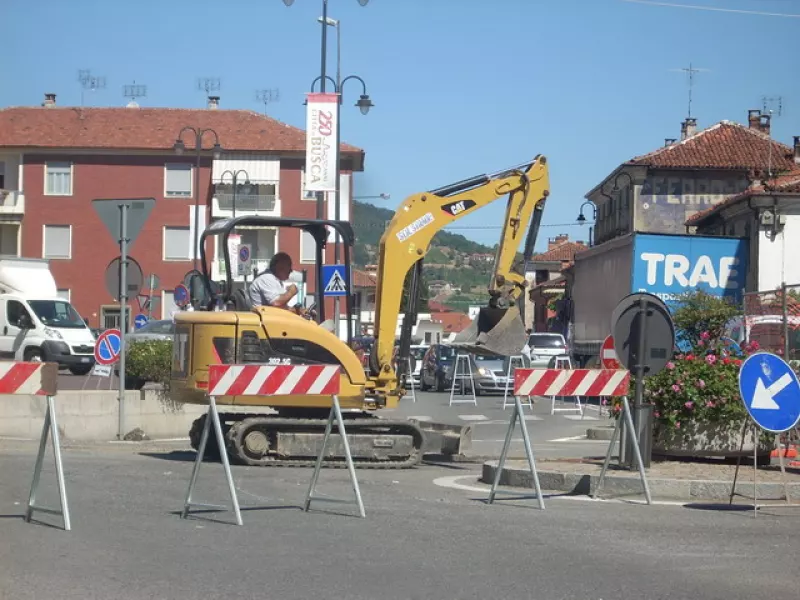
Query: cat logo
pixel 456 208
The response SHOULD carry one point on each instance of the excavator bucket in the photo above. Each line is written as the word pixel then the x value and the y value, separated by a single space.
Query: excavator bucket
pixel 494 332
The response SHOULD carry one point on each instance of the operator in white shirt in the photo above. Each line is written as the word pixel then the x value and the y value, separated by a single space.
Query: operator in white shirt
pixel 268 288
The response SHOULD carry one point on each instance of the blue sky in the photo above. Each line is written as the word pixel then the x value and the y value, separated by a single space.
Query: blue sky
pixel 460 87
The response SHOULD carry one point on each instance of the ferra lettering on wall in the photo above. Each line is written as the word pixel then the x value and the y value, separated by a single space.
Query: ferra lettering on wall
pixel 322 152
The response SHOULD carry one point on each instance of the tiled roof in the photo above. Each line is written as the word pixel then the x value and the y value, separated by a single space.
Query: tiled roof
pixel 726 145
pixel 147 129
pixel 452 322
pixel 562 252
pixel 363 279
pixel 786 183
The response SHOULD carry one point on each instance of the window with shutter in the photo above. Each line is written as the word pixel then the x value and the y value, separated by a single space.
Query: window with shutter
pixel 177 181
pixel 57 242
pixel 177 243
pixel 58 179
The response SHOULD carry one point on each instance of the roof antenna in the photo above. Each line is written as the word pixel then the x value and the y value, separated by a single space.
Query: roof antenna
pixel 767 104
pixel 267 96
pixel 208 84
pixel 133 92
pixel 690 71
pixel 90 82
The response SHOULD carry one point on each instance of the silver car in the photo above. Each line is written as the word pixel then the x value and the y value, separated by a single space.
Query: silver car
pixel 153 331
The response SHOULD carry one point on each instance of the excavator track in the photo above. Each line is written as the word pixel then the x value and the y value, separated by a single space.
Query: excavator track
pixel 263 440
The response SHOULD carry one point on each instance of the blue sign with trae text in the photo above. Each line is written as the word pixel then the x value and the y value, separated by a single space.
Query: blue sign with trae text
pixel 670 265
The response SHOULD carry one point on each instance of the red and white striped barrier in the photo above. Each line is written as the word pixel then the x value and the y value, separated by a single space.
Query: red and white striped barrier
pixel 39 379
pixel 571 382
pixel 273 380
pixel 24 378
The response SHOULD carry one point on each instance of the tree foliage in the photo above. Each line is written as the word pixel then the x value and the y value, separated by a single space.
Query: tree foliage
pixel 701 314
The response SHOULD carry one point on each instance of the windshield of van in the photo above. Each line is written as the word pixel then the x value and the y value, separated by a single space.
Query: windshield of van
pixel 446 353
pixel 57 313
pixel 418 353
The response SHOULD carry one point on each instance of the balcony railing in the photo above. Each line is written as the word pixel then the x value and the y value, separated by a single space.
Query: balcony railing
pixel 246 203
pixel 12 202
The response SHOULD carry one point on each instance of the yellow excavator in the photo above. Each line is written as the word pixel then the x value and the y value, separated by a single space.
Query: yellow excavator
pixel 225 328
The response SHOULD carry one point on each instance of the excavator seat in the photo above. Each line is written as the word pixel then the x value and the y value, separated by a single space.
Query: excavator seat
pixel 241 301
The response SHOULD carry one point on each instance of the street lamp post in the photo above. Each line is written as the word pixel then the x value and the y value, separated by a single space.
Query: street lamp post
pixel 180 147
pixel 323 77
pixel 364 103
pixel 235 175
pixel 582 219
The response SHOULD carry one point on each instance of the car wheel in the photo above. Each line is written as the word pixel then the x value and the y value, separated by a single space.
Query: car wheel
pixel 32 355
pixel 80 371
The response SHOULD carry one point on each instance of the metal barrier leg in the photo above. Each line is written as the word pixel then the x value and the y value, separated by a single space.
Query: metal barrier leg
pixel 517 413
pixel 411 381
pixel 336 412
pixel 631 435
pixel 212 417
pixel 50 426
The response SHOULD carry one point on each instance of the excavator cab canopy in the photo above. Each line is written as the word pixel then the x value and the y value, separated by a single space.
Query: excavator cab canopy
pixel 207 294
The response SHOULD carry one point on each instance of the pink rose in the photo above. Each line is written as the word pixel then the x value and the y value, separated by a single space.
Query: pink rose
pixel 711 359
pixel 701 384
pixel 676 388
pixel 670 365
pixel 705 335
pixel 710 404
pixel 689 405
pixel 678 425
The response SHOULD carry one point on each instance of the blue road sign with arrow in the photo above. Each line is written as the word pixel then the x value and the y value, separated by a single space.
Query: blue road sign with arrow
pixel 140 321
pixel 770 391
pixel 334 280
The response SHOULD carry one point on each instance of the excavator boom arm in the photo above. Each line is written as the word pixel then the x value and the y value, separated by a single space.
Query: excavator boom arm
pixel 408 236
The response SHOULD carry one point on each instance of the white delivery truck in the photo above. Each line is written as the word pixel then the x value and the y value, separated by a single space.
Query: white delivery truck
pixel 35 323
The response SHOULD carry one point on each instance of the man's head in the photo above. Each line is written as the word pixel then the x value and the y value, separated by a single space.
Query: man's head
pixel 280 265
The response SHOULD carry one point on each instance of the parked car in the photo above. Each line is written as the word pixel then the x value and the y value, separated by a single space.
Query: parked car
pixel 153 330
pixel 490 374
pixel 437 368
pixel 545 348
pixel 417 354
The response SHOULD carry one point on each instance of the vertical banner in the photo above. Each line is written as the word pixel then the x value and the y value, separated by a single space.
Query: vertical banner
pixel 322 152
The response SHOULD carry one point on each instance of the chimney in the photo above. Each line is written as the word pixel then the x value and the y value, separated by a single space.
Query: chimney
pixel 763 123
pixel 688 128
pixel 754 119
pixel 669 141
pixel 557 241
pixel 49 100
pixel 213 102
pixel 797 149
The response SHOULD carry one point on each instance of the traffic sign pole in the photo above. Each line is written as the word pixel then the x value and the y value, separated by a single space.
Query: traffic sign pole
pixel 123 305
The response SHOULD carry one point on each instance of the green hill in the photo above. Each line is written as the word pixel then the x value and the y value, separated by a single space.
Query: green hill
pixel 369 223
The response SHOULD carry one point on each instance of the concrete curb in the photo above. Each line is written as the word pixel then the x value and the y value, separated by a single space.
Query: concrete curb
pixel 616 484
pixel 600 433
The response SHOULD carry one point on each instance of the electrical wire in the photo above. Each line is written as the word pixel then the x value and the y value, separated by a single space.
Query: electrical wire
pixel 715 9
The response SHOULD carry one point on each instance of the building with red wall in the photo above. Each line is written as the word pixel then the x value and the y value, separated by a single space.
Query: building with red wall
pixel 54 161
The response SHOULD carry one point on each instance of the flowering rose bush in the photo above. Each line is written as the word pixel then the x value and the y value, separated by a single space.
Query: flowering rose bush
pixel 700 386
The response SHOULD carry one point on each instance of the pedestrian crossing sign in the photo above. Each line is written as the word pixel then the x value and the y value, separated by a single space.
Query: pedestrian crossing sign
pixel 334 278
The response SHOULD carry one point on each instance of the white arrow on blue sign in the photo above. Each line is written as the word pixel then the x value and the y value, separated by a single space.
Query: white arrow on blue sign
pixel 770 391
pixel 140 321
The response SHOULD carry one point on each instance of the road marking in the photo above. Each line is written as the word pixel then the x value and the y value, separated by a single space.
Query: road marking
pixel 505 421
pixel 423 418
pixel 452 483
pixel 579 418
pixel 473 417
pixel 569 439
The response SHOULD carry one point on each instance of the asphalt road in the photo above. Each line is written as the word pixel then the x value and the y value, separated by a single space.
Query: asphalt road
pixel 421 538
pixel 68 381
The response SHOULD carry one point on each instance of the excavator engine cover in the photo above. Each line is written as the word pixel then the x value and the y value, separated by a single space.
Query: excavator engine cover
pixel 494 332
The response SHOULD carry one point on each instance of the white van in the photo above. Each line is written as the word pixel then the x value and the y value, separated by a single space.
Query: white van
pixel 37 325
